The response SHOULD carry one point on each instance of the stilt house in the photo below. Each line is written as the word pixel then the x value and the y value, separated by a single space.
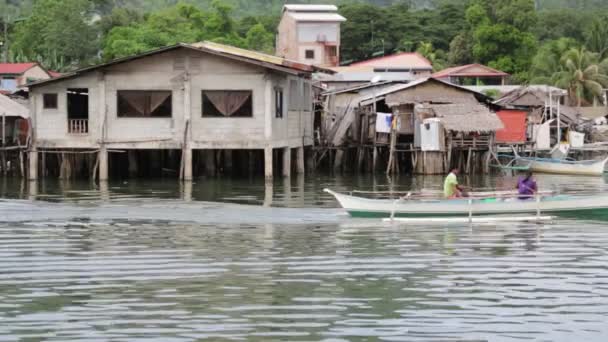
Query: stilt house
pixel 435 123
pixel 211 102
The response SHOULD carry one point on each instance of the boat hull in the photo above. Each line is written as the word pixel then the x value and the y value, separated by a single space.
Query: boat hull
pixel 595 207
pixel 567 168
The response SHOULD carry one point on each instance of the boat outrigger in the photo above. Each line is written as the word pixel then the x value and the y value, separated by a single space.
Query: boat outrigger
pixel 592 207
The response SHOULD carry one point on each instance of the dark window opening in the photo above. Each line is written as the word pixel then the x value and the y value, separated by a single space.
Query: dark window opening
pixel 49 101
pixel 144 104
pixel 78 103
pixel 309 54
pixel 278 102
pixel 227 103
pixel 78 110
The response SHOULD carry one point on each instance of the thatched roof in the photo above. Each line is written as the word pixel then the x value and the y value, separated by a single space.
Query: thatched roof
pixel 430 90
pixel 464 117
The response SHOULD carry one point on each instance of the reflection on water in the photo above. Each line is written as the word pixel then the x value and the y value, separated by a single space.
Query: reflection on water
pixel 156 261
pixel 294 192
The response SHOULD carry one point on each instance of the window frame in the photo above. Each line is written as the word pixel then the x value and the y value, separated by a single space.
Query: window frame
pixel 44 100
pixel 251 98
pixel 279 106
pixel 145 91
pixel 311 51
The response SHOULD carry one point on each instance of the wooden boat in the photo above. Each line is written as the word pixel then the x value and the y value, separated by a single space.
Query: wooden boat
pixel 562 166
pixel 593 207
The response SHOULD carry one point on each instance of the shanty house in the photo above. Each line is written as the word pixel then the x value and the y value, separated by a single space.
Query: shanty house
pixel 530 115
pixel 14 122
pixel 187 97
pixel 15 75
pixel 461 118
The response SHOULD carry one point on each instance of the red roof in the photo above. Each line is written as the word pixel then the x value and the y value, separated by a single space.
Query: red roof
pixel 401 59
pixel 464 71
pixel 55 73
pixel 15 68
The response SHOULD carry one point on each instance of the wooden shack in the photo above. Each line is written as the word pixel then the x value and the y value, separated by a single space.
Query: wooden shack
pixel 14 134
pixel 464 114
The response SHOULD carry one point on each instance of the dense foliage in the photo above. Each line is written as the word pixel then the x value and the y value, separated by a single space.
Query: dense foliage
pixel 530 39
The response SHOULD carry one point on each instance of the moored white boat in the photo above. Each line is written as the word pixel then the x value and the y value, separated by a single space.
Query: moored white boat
pixel 563 166
pixel 562 205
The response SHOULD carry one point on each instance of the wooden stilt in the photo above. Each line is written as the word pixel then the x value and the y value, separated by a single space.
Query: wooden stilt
pixel 103 164
pixel 390 167
pixel 338 159
pixel 287 162
pixel 251 162
pixel 300 166
pixel 468 167
pixel 310 161
pixel 33 165
pixel 268 163
pixel 228 161
pixel 94 173
pixel 132 156
pixel 210 163
pixel 186 174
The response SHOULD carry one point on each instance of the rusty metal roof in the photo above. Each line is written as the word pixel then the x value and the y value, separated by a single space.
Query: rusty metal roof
pixel 231 52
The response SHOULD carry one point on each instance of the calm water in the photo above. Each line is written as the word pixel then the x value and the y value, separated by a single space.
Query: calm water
pixel 244 260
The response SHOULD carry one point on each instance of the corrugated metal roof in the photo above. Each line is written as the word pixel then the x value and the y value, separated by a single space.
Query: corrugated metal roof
pixel 398 60
pixel 314 17
pixel 400 86
pixel 242 52
pixel 367 76
pixel 15 68
pixel 247 56
pixel 462 71
pixel 309 8
pixel 12 108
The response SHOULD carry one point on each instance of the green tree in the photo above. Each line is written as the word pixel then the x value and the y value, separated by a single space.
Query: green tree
pixel 57 27
pixel 436 57
pixel 257 38
pixel 501 36
pixel 460 50
pixel 547 60
pixel 119 16
pixel 561 23
pixel 581 75
pixel 597 37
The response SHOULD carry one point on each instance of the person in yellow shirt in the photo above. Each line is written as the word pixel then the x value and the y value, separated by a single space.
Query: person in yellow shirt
pixel 451 188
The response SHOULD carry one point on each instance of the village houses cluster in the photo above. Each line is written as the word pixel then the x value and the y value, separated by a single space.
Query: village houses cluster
pixel 205 109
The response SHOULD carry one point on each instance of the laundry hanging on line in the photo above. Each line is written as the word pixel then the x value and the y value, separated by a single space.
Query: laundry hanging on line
pixel 384 122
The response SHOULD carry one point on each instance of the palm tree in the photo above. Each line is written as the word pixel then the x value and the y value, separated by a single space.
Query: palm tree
pixel 597 37
pixel 581 75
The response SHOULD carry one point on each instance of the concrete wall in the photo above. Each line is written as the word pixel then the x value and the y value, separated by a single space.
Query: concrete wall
pixel 294 38
pixel 51 125
pixel 310 32
pixel 287 44
pixel 186 74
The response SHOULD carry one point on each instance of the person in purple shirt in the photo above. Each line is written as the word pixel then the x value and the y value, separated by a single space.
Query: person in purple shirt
pixel 526 186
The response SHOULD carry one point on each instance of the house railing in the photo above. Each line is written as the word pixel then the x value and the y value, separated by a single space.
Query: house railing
pixel 78 126
pixel 480 142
